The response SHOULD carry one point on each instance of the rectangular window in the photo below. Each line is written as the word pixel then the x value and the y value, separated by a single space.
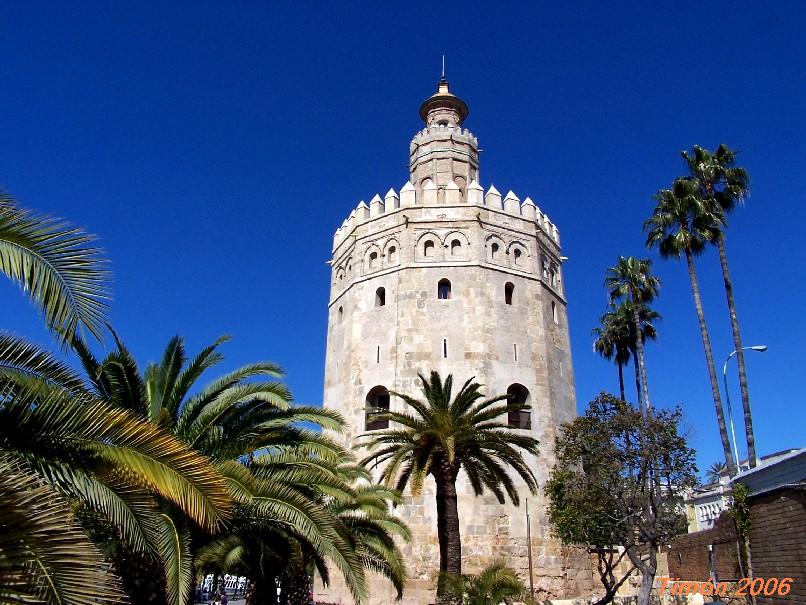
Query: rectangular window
pixel 445 348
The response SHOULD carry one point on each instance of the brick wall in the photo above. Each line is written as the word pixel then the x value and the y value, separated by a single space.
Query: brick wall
pixel 778 542
pixel 688 554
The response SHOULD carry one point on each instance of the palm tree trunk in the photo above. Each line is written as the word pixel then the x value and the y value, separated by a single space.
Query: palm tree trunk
pixel 737 341
pixel 621 380
pixel 709 358
pixel 448 533
pixel 639 345
pixel 637 370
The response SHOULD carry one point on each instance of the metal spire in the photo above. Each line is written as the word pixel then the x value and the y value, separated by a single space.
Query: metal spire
pixel 443 67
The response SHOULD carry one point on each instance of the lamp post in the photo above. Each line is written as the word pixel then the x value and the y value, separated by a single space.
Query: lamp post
pixel 760 349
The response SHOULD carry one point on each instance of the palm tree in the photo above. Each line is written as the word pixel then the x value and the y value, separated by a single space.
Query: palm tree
pixel 495 584
pixel 278 471
pixel 631 280
pixel 683 224
pixel 121 469
pixel 612 343
pixel 46 556
pixel 57 266
pixel 715 472
pixel 720 181
pixel 441 437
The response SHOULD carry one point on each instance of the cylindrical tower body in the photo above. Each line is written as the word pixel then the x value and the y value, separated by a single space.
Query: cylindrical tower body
pixel 444 278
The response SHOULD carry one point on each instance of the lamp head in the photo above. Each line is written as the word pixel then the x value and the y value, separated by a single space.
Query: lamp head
pixel 760 348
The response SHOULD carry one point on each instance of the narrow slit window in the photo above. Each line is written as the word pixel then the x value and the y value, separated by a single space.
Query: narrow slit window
pixel 554 311
pixel 341 314
pixel 378 355
pixel 445 348
pixel 515 348
pixel 444 289
pixel 509 290
pixel 380 297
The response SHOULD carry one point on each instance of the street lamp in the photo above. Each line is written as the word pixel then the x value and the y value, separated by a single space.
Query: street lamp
pixel 760 349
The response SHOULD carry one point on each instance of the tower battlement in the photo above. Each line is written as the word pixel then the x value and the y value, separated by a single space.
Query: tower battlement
pixel 450 198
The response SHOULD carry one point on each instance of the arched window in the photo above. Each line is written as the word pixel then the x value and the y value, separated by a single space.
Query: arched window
pixel 509 290
pixel 377 402
pixel 456 247
pixel 380 297
pixel 373 260
pixel 495 251
pixel 518 395
pixel 517 256
pixel 428 249
pixel 392 255
pixel 444 289
pixel 554 311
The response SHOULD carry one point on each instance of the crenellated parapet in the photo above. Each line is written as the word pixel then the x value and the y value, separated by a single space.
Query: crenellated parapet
pixel 449 197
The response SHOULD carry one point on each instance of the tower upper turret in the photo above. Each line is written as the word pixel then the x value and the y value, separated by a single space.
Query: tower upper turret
pixel 443 108
pixel 443 152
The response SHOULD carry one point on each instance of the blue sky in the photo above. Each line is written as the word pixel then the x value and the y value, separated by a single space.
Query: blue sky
pixel 215 147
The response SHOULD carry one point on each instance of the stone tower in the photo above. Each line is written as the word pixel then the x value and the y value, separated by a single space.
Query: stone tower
pixel 446 277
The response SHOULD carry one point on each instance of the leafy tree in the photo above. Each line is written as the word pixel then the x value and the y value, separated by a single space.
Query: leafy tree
pixel 618 482
pixel 682 224
pixel 58 268
pixel 723 185
pixel 631 280
pixel 495 584
pixel 442 436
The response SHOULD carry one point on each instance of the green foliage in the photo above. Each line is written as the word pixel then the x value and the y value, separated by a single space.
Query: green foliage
pixel 715 472
pixel 631 279
pixel 57 266
pixel 45 557
pixel 740 510
pixel 445 435
pixel 618 481
pixel 495 584
pixel 682 220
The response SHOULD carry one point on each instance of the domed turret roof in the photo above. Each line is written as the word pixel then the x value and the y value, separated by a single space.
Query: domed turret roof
pixel 444 99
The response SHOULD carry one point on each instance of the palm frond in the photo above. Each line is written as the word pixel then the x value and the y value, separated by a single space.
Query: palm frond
pixel 46 557
pixel 57 266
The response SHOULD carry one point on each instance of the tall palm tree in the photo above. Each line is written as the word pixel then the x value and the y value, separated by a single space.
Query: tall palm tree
pixel 612 343
pixel 442 436
pixel 625 322
pixel 682 224
pixel 631 280
pixel 720 181
pixel 57 266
